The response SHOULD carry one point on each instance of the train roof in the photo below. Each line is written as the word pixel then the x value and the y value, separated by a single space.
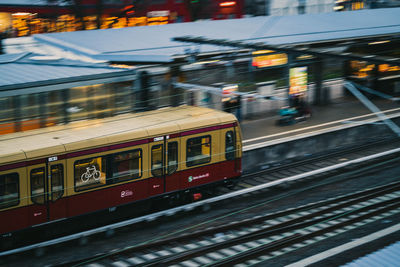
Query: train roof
pixel 81 135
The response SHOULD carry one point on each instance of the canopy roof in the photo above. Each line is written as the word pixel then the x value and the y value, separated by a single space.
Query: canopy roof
pixel 35 73
pixel 154 43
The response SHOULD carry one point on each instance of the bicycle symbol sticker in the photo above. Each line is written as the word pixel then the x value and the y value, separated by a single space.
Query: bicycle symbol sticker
pixel 91 172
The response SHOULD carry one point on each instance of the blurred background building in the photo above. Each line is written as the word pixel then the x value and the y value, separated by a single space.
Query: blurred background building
pixel 287 7
pixel 346 5
pixel 26 17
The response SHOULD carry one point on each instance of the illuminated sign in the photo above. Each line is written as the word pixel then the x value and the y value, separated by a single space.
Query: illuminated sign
pixel 362 69
pixel 160 13
pixel 298 80
pixel 227 92
pixel 387 67
pixel 270 60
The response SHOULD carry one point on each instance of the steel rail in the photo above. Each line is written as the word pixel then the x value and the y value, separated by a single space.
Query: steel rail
pixel 349 198
pixel 250 254
pixel 311 219
pixel 290 225
pixel 192 206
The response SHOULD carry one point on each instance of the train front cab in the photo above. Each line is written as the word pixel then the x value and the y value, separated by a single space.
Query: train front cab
pixel 211 156
pixel 186 161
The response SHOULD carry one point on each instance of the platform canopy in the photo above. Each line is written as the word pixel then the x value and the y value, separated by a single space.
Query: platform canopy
pixel 26 73
pixel 154 43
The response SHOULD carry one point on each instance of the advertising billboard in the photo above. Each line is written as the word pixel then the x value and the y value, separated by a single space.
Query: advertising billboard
pixel 298 80
pixel 269 60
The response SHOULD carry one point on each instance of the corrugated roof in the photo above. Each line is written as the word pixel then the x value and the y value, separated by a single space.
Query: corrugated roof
pixel 8 58
pixel 157 40
pixel 30 45
pixel 29 70
pixel 388 257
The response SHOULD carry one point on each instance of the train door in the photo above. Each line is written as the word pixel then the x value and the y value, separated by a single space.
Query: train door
pixel 172 181
pixel 56 200
pixel 157 161
pixel 46 191
pixel 164 164
pixel 231 140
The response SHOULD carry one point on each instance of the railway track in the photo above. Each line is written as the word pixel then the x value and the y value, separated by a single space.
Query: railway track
pixel 273 176
pixel 261 238
pixel 309 165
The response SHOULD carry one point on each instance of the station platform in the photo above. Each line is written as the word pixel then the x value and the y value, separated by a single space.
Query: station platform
pixel 346 110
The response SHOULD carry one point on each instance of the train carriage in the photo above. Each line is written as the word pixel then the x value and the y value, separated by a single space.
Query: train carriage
pixel 61 172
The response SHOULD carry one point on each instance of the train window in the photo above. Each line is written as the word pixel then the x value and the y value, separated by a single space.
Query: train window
pixel 198 150
pixel 157 160
pixel 37 185
pixel 89 173
pixel 57 181
pixel 6 111
pixel 9 190
pixel 230 145
pixel 172 155
pixel 127 165
pixel 29 106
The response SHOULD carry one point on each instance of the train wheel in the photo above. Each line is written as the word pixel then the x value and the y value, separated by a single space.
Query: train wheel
pixel 231 183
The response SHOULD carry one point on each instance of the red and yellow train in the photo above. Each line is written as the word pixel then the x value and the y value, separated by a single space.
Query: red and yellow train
pixel 62 172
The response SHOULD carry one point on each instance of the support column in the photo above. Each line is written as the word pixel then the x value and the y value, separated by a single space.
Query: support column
pixel 175 92
pixel 251 71
pixel 318 74
pixel 16 102
pixel 287 78
pixel 142 92
pixel 65 98
pixel 42 100
pixel 373 108
pixel 374 82
pixel 90 103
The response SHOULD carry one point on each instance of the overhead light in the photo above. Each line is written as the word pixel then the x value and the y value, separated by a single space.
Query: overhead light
pixel 379 42
pixel 225 4
pixel 205 62
pixel 303 57
pixel 261 52
pixel 21 14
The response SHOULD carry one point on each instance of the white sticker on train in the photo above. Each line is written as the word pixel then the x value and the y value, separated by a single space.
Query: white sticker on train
pixel 201 176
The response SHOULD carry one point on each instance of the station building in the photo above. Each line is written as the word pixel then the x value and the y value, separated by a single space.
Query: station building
pixel 24 17
pixel 105 74
pixel 39 91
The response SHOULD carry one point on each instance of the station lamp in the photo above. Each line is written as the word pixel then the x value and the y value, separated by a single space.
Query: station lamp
pixel 227 3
